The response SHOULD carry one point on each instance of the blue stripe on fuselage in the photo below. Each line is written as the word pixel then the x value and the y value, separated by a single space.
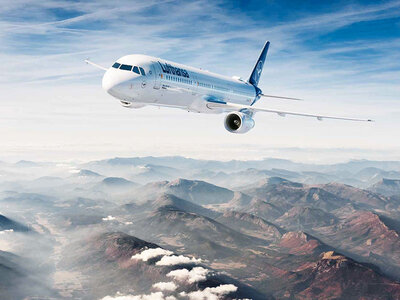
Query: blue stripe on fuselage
pixel 214 100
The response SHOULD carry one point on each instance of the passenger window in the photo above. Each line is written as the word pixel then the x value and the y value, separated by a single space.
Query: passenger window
pixel 136 70
pixel 142 71
pixel 116 65
pixel 125 67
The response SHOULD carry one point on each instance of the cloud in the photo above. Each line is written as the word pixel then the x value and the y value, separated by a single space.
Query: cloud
pixel 197 274
pixel 165 286
pixel 213 293
pixel 109 218
pixel 152 296
pixel 176 260
pixel 151 253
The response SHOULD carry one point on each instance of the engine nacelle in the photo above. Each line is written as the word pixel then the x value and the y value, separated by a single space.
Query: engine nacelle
pixel 238 122
pixel 128 104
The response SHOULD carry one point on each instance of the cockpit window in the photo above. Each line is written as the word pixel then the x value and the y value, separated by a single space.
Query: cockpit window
pixel 125 67
pixel 136 70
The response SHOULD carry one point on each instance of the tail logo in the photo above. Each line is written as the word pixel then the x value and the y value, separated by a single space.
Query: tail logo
pixel 259 70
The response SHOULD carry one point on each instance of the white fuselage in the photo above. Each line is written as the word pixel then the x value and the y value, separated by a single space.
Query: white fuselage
pixel 139 80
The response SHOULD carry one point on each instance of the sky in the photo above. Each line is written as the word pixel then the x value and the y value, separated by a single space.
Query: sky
pixel 342 57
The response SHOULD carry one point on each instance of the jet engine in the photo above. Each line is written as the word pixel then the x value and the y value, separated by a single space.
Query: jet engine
pixel 128 104
pixel 238 122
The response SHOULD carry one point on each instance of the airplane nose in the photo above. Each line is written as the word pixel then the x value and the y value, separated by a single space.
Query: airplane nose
pixel 110 81
pixel 118 83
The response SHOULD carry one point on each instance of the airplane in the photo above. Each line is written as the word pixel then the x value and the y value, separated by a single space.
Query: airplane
pixel 139 80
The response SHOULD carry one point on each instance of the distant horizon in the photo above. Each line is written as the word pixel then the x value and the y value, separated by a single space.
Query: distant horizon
pixel 329 153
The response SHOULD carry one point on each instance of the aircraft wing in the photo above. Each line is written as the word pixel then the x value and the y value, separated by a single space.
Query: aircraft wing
pixel 228 107
pixel 95 65
pixel 280 97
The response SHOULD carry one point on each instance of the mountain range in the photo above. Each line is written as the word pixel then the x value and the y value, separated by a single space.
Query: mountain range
pixel 178 228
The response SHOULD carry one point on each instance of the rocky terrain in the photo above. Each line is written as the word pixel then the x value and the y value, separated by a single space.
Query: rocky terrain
pixel 177 228
pixel 387 187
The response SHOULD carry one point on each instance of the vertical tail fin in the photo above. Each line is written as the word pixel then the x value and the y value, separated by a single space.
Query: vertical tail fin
pixel 255 75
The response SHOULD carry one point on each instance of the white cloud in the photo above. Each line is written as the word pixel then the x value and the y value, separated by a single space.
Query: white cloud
pixel 151 253
pixel 197 274
pixel 152 296
pixel 214 293
pixel 165 286
pixel 176 260
pixel 109 218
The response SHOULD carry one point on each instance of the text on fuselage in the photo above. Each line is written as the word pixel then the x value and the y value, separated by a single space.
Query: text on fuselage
pixel 167 68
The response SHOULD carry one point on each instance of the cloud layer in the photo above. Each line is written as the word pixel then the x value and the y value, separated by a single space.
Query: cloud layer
pixel 213 293
pixel 196 274
pixel 152 296
pixel 165 286
pixel 151 253
pixel 176 260
pixel 181 279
